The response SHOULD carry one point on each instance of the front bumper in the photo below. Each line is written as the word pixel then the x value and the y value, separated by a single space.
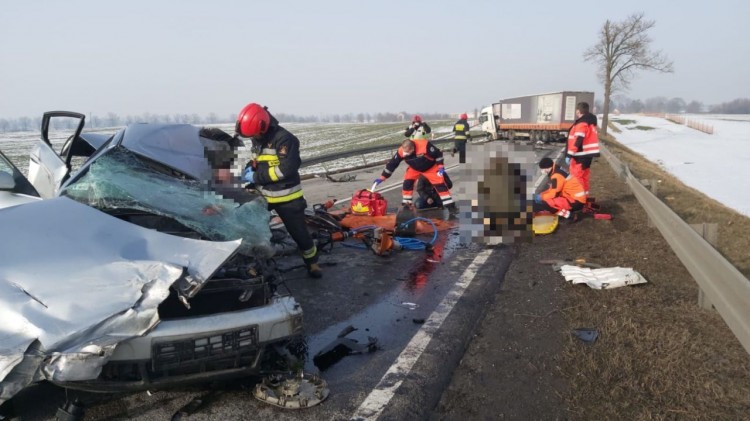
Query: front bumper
pixel 197 349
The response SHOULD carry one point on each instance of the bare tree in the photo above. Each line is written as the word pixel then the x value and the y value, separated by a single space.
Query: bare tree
pixel 623 49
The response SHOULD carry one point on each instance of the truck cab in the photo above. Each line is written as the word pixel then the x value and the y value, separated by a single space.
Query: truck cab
pixel 489 123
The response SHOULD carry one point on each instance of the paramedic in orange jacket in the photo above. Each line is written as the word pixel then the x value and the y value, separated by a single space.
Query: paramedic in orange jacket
pixel 564 195
pixel 423 158
pixel 583 145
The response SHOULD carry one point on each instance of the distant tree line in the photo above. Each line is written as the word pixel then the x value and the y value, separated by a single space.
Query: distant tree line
pixel 661 104
pixel 115 120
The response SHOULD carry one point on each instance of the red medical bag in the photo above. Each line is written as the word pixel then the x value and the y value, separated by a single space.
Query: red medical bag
pixel 366 202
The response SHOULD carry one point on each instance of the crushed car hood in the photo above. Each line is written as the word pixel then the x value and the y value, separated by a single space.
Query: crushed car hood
pixel 74 282
pixel 160 141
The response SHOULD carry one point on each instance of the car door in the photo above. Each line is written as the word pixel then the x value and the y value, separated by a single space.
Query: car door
pixel 47 169
pixel 14 188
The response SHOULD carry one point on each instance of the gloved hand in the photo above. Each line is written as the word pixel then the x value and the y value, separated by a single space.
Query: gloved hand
pixel 567 160
pixel 537 198
pixel 378 180
pixel 247 175
pixel 441 171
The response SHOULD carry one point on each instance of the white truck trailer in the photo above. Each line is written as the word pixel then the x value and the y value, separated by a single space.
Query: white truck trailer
pixel 543 118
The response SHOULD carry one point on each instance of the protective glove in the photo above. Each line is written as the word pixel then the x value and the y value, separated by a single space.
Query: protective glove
pixel 537 198
pixel 378 180
pixel 567 160
pixel 441 171
pixel 247 175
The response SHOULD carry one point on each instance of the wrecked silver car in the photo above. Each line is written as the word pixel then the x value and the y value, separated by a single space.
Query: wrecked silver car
pixel 134 274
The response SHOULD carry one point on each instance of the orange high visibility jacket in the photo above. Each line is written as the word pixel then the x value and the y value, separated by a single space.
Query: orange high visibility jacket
pixel 583 137
pixel 562 185
pixel 425 156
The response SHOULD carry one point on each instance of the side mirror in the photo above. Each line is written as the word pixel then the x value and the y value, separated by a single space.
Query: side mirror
pixel 6 181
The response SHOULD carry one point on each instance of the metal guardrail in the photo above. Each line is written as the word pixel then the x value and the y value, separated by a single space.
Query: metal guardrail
pixel 725 287
pixel 364 151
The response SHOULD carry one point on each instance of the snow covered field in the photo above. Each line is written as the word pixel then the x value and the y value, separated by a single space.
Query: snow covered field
pixel 316 139
pixel 711 163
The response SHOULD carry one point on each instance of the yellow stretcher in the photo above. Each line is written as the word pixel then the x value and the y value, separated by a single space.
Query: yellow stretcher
pixel 544 223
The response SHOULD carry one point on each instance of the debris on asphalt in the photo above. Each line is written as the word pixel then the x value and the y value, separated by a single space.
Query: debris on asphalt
pixel 410 306
pixel 340 348
pixel 70 411
pixel 300 391
pixel 196 404
pixel 587 335
pixel 343 179
pixel 603 278
pixel 345 331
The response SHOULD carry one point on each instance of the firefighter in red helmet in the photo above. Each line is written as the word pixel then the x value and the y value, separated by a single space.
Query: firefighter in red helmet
pixel 275 174
pixel 461 135
pixel 416 126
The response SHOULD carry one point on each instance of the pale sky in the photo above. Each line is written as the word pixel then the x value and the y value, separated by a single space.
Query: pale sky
pixel 320 57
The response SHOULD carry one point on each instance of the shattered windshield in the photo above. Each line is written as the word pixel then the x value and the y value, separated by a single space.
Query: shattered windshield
pixel 122 180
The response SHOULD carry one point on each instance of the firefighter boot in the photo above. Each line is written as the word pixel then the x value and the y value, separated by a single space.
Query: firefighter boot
pixel 310 256
pixel 314 271
pixel 452 210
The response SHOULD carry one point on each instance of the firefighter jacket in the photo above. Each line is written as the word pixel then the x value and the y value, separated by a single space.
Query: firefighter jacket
pixel 411 129
pixel 583 139
pixel 562 185
pixel 277 165
pixel 461 130
pixel 425 156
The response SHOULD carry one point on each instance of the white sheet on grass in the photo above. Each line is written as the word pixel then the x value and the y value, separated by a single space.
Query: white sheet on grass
pixel 604 278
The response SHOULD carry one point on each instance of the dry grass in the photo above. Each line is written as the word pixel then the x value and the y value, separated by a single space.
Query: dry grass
pixel 659 356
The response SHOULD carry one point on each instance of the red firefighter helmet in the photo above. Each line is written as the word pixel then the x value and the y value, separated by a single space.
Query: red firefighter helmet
pixel 463 116
pixel 252 121
pixel 416 119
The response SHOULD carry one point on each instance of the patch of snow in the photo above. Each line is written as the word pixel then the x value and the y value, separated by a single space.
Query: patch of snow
pixel 707 162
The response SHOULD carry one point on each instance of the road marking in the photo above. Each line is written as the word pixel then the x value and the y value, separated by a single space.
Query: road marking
pixel 381 395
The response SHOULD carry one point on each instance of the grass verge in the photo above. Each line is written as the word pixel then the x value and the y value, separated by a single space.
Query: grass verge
pixel 658 356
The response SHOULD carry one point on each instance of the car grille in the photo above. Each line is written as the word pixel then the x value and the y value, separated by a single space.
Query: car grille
pixel 232 348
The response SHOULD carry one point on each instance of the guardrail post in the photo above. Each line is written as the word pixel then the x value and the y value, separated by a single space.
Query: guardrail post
pixel 364 159
pixel 653 185
pixel 710 233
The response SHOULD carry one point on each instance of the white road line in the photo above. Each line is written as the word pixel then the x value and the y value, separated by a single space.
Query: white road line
pixel 381 395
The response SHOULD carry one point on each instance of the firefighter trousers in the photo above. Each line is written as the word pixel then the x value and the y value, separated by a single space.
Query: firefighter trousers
pixel 410 179
pixel 292 214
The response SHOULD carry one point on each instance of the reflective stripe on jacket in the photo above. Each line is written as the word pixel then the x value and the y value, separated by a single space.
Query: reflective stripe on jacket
pixel 562 185
pixel 461 130
pixel 277 165
pixel 425 156
pixel 583 137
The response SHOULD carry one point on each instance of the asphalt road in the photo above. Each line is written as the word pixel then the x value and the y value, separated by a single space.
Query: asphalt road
pixel 419 346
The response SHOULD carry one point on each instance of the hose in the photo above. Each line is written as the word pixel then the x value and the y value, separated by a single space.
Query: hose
pixel 416 244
